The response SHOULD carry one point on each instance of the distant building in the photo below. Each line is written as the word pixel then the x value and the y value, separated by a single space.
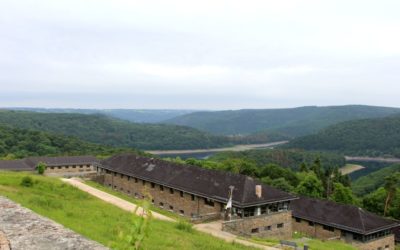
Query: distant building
pixel 64 165
pixel 330 220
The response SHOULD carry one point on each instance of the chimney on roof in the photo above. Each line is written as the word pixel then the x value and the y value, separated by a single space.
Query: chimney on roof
pixel 258 191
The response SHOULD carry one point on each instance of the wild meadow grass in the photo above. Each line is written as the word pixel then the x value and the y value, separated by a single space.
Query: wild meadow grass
pixel 96 219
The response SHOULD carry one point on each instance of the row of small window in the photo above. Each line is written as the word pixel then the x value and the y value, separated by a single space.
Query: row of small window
pixel 266 228
pixel 171 208
pixel 208 202
pixel 60 167
pixel 311 224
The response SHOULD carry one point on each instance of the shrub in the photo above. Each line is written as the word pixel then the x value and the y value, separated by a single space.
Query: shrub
pixel 41 167
pixel 27 181
pixel 184 226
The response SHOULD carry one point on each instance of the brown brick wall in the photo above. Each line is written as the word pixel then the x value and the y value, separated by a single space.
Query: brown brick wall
pixel 183 205
pixel 376 244
pixel 69 169
pixel 266 225
pixel 317 231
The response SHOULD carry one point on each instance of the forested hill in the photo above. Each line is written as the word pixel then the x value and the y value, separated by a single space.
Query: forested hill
pixel 290 122
pixel 20 143
pixel 108 131
pixel 368 183
pixel 132 115
pixel 371 137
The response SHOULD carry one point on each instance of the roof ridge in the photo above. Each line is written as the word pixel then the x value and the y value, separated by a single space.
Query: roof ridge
pixel 360 210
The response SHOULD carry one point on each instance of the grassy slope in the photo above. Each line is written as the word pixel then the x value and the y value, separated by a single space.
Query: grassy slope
pixel 94 218
pixel 292 122
pixel 373 137
pixel 114 132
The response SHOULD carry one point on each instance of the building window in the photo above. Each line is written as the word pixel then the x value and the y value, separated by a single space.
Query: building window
pixel 161 204
pixel 192 197
pixel 51 167
pixel 171 207
pixel 153 185
pixel 171 191
pixel 129 191
pixel 161 188
pixel 254 230
pixel 115 174
pixel 144 182
pixel 209 202
pixel 59 167
pixel 267 228
pixel 311 224
pixel 73 166
pixel 328 228
pixel 88 165
pixel 136 195
pixel 182 212
pixel 181 193
pixel 81 166
pixel 115 187
pixel 152 201
pixel 129 178
pixel 387 247
pixel 280 225
pixel 298 220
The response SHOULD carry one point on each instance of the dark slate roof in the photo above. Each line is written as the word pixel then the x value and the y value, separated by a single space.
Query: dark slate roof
pixel 29 164
pixel 62 160
pixel 211 184
pixel 15 165
pixel 346 217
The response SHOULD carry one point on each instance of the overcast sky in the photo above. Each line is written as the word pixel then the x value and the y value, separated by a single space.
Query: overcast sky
pixel 199 54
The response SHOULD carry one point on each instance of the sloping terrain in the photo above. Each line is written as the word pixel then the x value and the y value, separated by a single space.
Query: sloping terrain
pixel 292 122
pixel 108 131
pixel 371 137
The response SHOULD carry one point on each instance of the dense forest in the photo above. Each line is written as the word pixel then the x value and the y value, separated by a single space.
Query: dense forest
pixel 283 157
pixel 109 131
pixel 372 137
pixel 292 122
pixel 374 180
pixel 20 143
pixel 133 115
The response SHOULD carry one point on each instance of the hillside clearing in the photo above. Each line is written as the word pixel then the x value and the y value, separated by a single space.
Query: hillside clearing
pixel 350 168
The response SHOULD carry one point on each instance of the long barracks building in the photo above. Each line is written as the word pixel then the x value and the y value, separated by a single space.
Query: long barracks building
pixel 202 194
pixel 258 210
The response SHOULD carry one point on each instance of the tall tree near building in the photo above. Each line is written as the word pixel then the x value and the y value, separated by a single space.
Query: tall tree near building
pixel 391 184
pixel 310 186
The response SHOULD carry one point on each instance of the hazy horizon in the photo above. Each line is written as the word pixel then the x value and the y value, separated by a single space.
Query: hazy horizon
pixel 208 55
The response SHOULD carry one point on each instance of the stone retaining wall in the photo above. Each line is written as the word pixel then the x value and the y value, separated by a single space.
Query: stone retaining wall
pixel 26 230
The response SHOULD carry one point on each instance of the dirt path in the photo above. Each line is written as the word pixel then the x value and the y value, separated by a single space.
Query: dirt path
pixel 121 203
pixel 214 228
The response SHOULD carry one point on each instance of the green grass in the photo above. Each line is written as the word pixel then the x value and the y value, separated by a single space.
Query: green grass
pixel 133 200
pixel 96 219
pixel 314 244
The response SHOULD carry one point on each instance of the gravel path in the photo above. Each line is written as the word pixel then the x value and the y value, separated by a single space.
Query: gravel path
pixel 213 228
pixel 26 230
pixel 112 199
